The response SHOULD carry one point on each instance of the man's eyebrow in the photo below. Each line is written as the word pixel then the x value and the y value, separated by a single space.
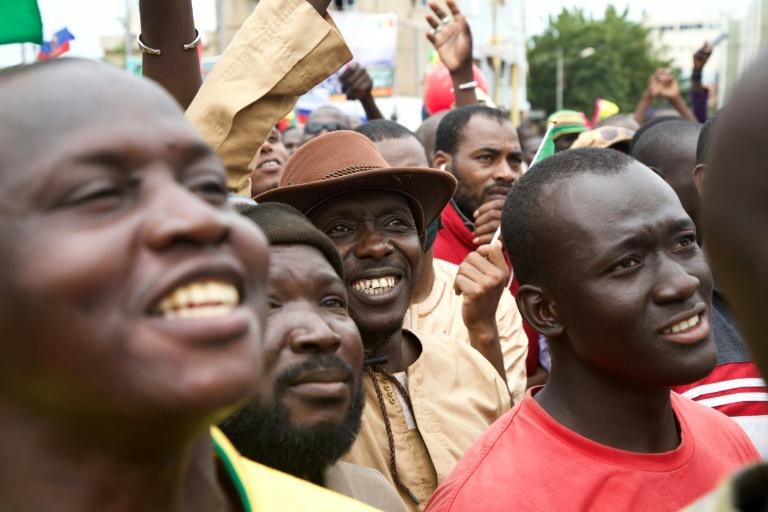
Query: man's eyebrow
pixel 103 157
pixel 487 149
pixel 196 151
pixel 641 236
pixel 681 224
pixel 116 157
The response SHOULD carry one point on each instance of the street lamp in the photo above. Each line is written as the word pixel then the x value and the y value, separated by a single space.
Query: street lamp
pixel 583 54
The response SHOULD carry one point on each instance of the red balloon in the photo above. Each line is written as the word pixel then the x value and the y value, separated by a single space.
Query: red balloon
pixel 438 88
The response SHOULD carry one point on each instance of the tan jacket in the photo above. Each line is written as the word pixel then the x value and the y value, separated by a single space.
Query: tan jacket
pixel 363 484
pixel 440 313
pixel 283 50
pixel 456 395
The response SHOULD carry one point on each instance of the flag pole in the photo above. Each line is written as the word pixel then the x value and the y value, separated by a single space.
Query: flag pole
pixel 128 41
pixel 544 140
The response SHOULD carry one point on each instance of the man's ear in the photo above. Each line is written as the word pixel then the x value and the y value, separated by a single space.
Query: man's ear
pixel 539 310
pixel 698 177
pixel 442 161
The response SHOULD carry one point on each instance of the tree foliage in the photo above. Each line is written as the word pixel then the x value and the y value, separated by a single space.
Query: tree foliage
pixel 624 58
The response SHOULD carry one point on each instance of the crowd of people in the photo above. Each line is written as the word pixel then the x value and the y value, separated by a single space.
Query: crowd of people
pixel 352 316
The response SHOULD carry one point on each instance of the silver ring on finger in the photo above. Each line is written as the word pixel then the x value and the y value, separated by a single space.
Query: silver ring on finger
pixel 446 20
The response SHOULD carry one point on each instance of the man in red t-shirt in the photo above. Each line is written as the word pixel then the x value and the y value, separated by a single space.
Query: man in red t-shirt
pixel 611 274
pixel 480 147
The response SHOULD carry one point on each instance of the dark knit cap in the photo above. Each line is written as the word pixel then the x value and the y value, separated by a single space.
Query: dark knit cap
pixel 285 225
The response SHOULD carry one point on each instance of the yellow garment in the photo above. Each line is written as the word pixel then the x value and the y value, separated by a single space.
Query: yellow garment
pixel 456 395
pixel 283 49
pixel 440 312
pixel 262 489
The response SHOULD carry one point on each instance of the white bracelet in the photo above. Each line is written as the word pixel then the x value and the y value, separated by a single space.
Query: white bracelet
pixel 468 85
pixel 155 51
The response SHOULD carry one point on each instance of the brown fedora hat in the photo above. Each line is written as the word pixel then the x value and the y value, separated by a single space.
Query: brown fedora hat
pixel 344 161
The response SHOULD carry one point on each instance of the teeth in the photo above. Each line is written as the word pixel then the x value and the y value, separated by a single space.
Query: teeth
pixel 203 299
pixel 377 286
pixel 682 326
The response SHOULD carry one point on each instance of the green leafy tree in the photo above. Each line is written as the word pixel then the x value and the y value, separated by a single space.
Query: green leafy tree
pixel 618 70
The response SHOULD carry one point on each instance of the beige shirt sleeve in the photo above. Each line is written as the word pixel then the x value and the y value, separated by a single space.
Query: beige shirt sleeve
pixel 283 50
pixel 514 344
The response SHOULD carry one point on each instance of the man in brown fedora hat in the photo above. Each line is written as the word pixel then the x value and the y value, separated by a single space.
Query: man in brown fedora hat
pixel 427 397
pixel 476 308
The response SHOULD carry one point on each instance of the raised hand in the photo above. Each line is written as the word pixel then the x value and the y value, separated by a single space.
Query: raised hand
pixel 654 87
pixel 701 57
pixel 481 279
pixel 667 84
pixel 451 36
pixel 487 219
pixel 356 83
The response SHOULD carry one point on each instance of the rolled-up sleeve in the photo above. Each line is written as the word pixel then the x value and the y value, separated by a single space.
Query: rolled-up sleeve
pixel 283 50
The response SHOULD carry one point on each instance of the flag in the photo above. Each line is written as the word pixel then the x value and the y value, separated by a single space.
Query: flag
pixel 603 109
pixel 57 46
pixel 547 147
pixel 20 22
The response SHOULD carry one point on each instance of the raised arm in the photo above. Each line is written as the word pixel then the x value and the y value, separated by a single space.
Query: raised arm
pixel 699 93
pixel 670 90
pixel 452 38
pixel 481 279
pixel 357 84
pixel 167 26
pixel 651 91
pixel 284 48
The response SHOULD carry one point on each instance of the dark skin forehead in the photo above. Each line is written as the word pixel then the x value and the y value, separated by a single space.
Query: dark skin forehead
pixel 109 109
pixel 302 280
pixel 592 218
pixel 485 132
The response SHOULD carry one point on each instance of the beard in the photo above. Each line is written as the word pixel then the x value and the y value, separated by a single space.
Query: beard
pixel 263 432
pixel 468 201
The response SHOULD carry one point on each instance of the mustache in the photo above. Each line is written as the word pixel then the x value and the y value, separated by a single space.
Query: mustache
pixel 324 362
pixel 496 186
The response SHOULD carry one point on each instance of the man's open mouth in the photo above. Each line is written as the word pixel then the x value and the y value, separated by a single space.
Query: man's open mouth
pixel 199 299
pixel 683 325
pixel 377 286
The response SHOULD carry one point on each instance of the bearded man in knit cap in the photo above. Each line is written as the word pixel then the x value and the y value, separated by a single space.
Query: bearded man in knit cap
pixel 428 397
pixel 310 401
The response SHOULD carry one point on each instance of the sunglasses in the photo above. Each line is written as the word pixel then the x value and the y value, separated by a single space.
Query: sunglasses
pixel 314 127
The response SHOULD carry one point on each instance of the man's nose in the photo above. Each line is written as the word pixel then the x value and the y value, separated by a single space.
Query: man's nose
pixel 674 283
pixel 311 333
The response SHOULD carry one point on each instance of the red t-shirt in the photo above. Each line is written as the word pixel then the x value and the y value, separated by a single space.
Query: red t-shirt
pixel 572 472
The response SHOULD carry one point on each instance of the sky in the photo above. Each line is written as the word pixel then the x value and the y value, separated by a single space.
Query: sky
pixel 89 19
pixel 537 11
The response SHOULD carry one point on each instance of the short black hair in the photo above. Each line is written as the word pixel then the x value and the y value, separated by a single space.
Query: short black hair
pixel 663 137
pixel 706 136
pixel 384 129
pixel 647 126
pixel 521 219
pixel 451 129
pixel 427 134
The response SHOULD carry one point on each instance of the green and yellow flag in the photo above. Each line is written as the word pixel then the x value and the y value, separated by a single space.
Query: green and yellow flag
pixel 20 22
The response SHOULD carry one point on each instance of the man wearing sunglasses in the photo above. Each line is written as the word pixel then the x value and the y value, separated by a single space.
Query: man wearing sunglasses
pixel 323 120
